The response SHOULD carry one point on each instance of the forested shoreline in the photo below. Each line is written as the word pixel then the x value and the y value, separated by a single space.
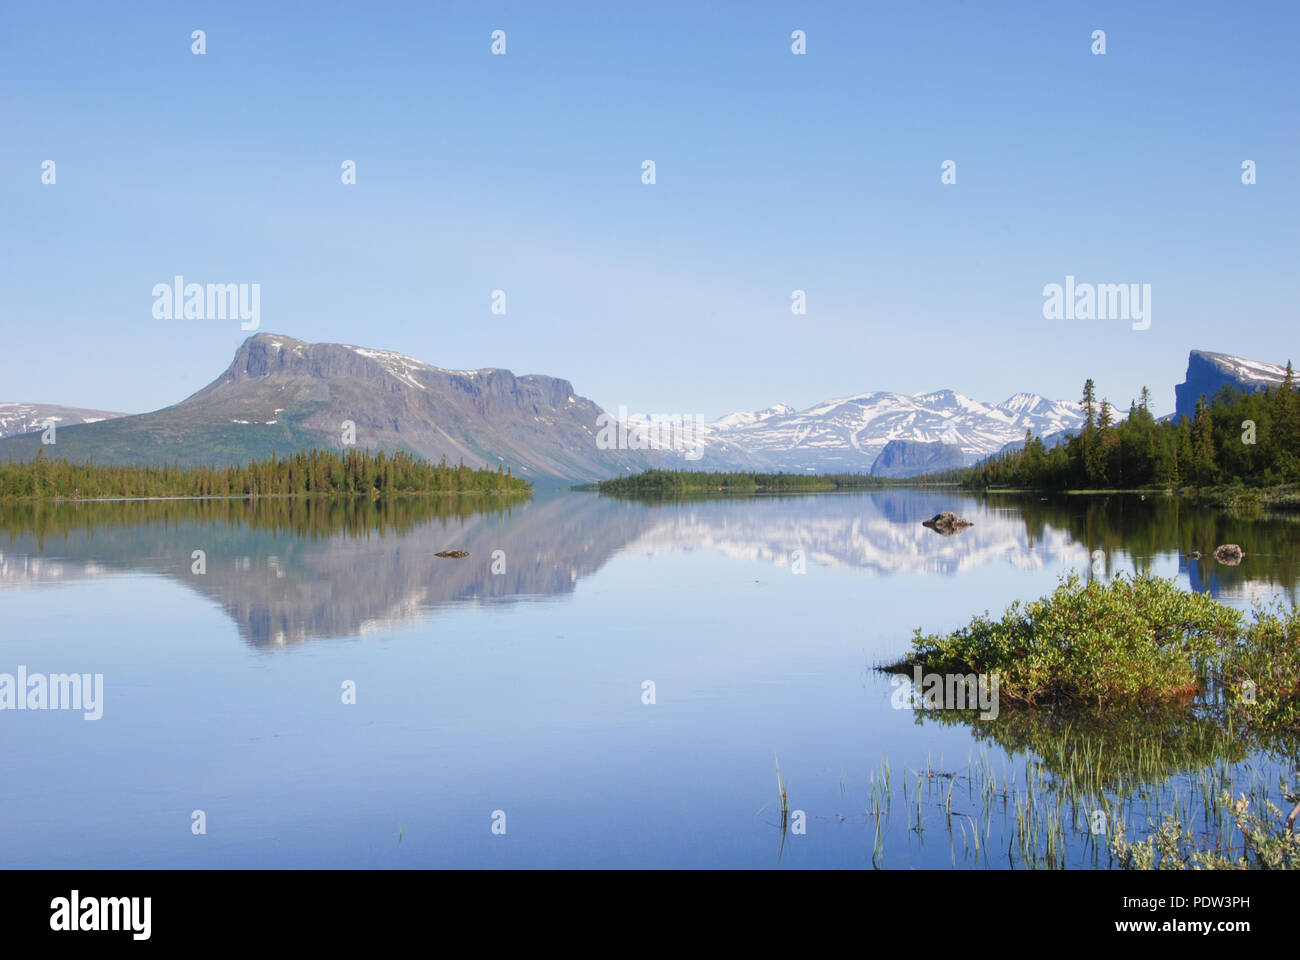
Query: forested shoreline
pixel 1235 439
pixel 672 483
pixel 355 473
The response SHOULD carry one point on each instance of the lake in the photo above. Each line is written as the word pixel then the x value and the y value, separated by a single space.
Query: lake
pixel 329 693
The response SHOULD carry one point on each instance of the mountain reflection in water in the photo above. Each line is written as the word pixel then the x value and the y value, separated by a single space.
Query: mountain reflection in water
pixel 289 571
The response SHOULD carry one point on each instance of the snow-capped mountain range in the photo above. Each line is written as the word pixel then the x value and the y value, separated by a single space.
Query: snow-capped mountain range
pixel 848 433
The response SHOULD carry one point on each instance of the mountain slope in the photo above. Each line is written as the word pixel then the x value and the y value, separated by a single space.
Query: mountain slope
pixel 281 394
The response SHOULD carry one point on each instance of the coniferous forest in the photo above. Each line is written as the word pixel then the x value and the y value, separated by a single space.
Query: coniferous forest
pixel 306 473
pixel 1235 438
pixel 671 483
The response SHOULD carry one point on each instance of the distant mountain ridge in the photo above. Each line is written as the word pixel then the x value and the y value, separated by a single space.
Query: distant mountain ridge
pixel 849 434
pixel 19 418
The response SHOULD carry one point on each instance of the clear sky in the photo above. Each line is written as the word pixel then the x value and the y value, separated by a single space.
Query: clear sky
pixel 775 172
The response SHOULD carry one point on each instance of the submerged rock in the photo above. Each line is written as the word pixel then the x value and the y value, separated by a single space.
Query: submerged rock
pixel 947 523
pixel 1194 555
pixel 1230 554
pixel 456 554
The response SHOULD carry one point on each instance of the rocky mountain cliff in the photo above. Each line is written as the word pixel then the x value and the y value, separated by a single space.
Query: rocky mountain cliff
pixel 910 458
pixel 1208 373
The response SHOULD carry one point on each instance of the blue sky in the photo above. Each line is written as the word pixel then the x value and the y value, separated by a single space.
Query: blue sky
pixel 775 172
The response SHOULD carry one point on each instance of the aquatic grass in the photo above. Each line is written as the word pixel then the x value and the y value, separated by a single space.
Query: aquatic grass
pixel 780 785
pixel 1044 820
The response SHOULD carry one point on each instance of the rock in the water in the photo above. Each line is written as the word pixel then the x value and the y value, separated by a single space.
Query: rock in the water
pixel 1229 553
pixel 1194 555
pixel 456 554
pixel 946 523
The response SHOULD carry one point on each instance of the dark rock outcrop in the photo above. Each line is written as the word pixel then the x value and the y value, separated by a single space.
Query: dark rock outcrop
pixel 947 523
pixel 1230 554
pixel 911 458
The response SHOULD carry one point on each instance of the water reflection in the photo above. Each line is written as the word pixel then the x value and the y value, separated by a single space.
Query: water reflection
pixel 286 571
pixel 1133 532
pixel 1117 751
pixel 878 534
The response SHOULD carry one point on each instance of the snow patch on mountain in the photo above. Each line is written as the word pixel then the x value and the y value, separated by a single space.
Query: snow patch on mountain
pixel 19 418
pixel 1246 371
pixel 849 433
pixel 749 417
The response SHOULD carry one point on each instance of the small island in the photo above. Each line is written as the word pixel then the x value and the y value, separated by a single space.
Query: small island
pixel 677 483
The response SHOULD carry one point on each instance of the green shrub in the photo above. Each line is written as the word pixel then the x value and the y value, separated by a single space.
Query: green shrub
pixel 1138 639
pixel 1262 672
pixel 1267 843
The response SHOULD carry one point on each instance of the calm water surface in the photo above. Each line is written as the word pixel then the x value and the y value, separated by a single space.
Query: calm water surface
pixel 521 690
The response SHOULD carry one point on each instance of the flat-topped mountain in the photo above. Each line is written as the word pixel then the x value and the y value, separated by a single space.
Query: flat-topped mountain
pixel 1208 373
pixel 280 394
